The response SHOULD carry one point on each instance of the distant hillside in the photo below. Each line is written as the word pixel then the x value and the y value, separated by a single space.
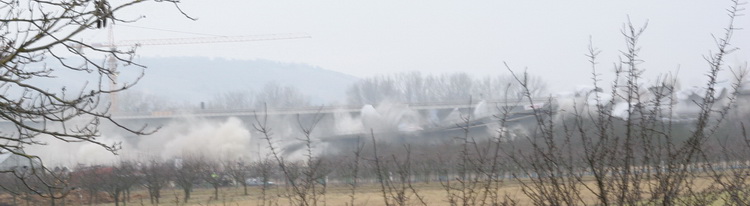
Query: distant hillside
pixel 196 79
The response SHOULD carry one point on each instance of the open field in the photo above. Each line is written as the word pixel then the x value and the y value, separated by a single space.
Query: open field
pixel 370 194
pixel 433 193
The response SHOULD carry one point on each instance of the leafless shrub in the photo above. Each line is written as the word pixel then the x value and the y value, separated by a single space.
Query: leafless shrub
pixel 353 167
pixel 478 165
pixel 397 190
pixel 263 170
pixel 640 156
pixel 305 181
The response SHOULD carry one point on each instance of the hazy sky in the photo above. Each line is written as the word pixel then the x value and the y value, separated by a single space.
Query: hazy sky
pixel 364 38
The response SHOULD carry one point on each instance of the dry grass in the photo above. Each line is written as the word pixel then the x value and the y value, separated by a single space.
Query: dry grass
pixel 370 194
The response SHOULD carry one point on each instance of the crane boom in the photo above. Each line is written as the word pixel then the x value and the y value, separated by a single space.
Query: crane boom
pixel 203 40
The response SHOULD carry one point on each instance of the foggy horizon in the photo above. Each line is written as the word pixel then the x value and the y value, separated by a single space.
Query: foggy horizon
pixel 577 102
pixel 547 38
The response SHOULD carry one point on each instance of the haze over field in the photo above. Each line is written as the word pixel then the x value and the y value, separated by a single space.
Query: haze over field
pixel 354 43
pixel 569 102
pixel 380 54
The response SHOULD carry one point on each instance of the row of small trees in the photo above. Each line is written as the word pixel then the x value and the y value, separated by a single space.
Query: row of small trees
pixel 412 87
pixel 274 94
pixel 103 183
pixel 415 87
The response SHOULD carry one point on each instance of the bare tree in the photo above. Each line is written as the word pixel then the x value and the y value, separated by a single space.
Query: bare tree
pixel 46 183
pixel 211 172
pixel 353 170
pixel 395 177
pixel 232 100
pixel 38 44
pixel 642 155
pixel 155 177
pixel 133 101
pixel 90 179
pixel 478 164
pixel 305 180
pixel 239 171
pixel 274 95
pixel 13 187
pixel 263 170
pixel 537 87
pixel 187 173
pixel 414 87
pixel 117 180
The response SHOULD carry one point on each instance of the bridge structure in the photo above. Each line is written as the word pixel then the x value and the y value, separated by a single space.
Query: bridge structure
pixel 439 109
pixel 209 113
pixel 433 110
pixel 437 121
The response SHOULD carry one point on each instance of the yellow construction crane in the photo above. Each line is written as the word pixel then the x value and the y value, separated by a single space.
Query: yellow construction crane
pixel 112 45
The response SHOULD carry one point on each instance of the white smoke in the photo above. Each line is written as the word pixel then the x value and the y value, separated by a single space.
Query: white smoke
pixel 228 139
pixel 344 123
pixel 482 110
pixel 391 117
pixel 58 152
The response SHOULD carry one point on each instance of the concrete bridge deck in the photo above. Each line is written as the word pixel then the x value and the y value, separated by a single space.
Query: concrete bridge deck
pixel 511 105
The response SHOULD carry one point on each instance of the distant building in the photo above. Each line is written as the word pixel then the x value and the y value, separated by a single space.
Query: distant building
pixel 10 161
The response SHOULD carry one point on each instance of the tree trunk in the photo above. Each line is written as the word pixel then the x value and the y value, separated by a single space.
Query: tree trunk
pixel 117 199
pixel 91 198
pixel 127 196
pixel 216 191
pixel 187 194
pixel 245 186
pixel 151 195
pixel 157 196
